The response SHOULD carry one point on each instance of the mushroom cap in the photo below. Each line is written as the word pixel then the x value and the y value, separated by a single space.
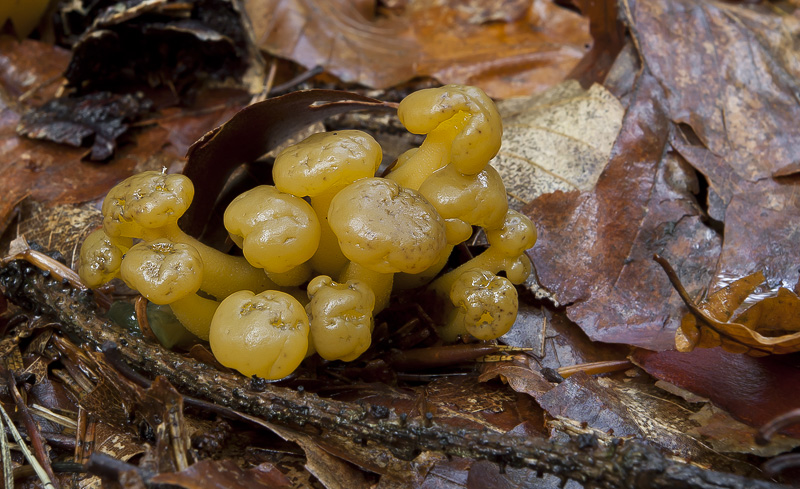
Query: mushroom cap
pixel 277 231
pixel 163 271
pixel 101 258
pixel 264 334
pixel 148 200
pixel 479 199
pixel 326 161
pixel 387 228
pixel 489 303
pixel 422 111
pixel 340 317
pixel 517 234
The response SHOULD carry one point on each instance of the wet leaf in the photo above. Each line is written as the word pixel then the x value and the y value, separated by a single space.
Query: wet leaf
pixel 731 74
pixel 98 118
pixel 770 325
pixel 608 34
pixel 31 68
pixel 745 110
pixel 595 247
pixel 634 407
pixel 762 229
pixel 253 132
pixel 507 52
pixel 753 390
pixel 224 474
pixel 558 140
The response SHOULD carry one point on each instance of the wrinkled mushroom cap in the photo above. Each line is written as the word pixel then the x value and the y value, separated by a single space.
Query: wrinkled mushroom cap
pixel 517 234
pixel 479 200
pixel 387 228
pixel 147 200
pixel 489 303
pixel 264 334
pixel 340 317
pixel 422 111
pixel 277 231
pixel 162 271
pixel 101 258
pixel 325 161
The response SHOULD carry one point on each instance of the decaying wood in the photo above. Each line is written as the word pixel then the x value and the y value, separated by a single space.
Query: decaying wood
pixel 629 463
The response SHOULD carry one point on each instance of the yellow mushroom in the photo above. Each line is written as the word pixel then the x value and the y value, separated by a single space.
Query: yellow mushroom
pixel 463 201
pixel 262 334
pixel 485 306
pixel 277 231
pixel 462 127
pixel 318 167
pixel 148 205
pixel 340 317
pixel 170 273
pixel 101 257
pixel 383 229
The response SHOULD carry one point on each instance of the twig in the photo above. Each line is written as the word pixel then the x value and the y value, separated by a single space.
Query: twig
pixel 629 463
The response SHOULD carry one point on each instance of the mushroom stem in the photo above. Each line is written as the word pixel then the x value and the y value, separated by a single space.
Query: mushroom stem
pixel 328 259
pixel 380 283
pixel 223 274
pixel 296 276
pixel 195 314
pixel 434 153
pixel 506 252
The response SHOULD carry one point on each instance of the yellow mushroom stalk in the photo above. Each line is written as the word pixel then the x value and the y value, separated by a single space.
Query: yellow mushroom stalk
pixel 262 334
pixel 277 231
pixel 462 127
pixel 319 167
pixel 383 229
pixel 340 318
pixel 148 205
pixel 506 253
pixel 170 273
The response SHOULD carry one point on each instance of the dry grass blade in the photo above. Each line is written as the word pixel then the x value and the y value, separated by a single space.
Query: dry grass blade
pixel 37 467
pixel 5 455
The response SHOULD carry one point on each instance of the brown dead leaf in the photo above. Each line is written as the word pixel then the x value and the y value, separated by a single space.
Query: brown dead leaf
pixel 762 229
pixel 771 325
pixel 224 474
pixel 731 74
pixel 558 140
pixel 634 407
pixel 31 68
pixel 731 77
pixel 506 52
pixel 753 390
pixel 595 247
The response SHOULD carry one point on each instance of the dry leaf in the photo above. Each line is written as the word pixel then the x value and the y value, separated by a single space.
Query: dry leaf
pixel 771 325
pixel 595 247
pixel 558 140
pixel 529 49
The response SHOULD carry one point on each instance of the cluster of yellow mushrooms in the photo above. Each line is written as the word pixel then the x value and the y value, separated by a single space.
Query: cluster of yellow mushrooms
pixel 324 247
